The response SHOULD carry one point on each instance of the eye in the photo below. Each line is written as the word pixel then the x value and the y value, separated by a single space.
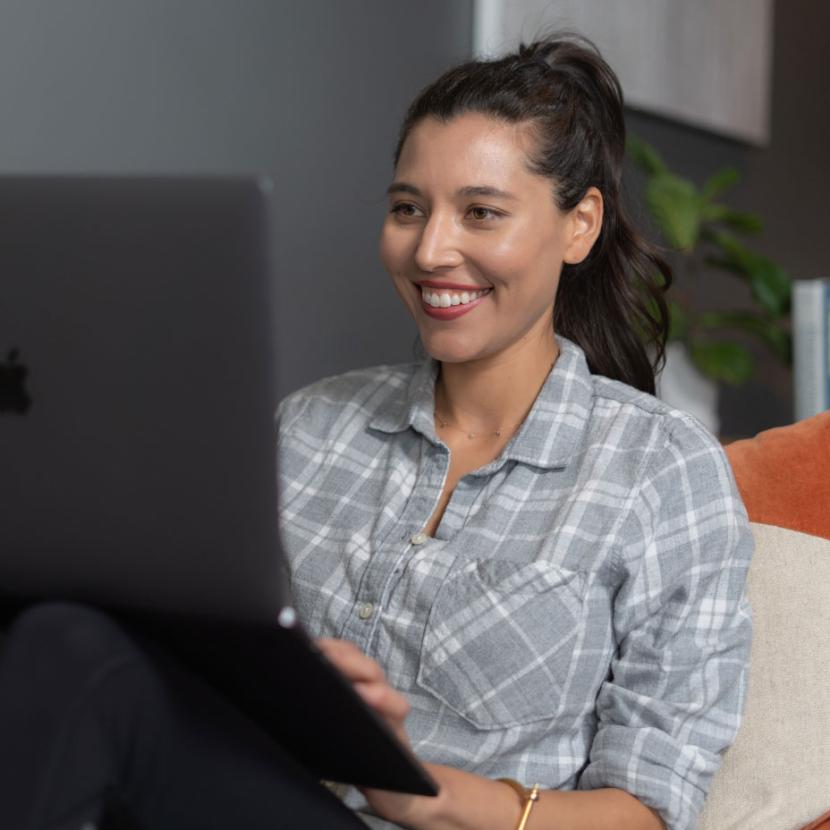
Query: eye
pixel 405 210
pixel 482 214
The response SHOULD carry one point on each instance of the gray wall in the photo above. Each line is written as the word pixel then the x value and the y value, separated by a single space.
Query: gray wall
pixel 311 92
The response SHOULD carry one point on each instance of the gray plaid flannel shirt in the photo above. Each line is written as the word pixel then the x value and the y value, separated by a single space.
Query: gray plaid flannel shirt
pixel 580 617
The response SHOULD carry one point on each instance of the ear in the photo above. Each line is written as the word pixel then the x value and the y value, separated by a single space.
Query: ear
pixel 584 225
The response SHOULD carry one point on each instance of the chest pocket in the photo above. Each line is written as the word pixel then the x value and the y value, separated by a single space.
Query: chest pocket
pixel 500 640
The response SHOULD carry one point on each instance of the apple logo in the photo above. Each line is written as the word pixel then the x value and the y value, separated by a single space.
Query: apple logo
pixel 13 394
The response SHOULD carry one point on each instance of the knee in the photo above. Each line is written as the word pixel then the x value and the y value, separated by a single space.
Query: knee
pixel 53 634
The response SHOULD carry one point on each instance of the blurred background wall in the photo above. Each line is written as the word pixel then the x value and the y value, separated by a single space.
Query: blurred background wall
pixel 312 92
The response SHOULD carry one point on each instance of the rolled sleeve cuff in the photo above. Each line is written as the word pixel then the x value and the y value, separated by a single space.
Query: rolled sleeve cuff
pixel 653 767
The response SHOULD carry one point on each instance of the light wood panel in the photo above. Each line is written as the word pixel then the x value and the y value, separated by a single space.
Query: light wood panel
pixel 703 62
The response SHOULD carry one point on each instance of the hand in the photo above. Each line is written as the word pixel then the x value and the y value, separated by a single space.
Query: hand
pixel 369 682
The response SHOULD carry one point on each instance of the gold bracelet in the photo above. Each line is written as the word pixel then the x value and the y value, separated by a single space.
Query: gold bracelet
pixel 527 797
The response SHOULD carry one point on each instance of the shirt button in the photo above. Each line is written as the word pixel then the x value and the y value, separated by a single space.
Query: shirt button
pixel 366 610
pixel 418 538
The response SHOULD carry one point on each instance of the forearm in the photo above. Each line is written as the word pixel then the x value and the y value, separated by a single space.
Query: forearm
pixel 471 802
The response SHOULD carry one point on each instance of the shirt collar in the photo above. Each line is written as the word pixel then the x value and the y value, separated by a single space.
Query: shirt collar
pixel 550 435
pixel 412 405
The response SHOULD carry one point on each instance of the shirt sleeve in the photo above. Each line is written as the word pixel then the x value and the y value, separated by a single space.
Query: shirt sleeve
pixel 673 700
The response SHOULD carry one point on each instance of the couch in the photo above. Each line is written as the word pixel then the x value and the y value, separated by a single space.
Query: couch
pixel 776 775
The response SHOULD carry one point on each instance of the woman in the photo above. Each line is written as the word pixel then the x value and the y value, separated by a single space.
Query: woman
pixel 527 564
pixel 548 563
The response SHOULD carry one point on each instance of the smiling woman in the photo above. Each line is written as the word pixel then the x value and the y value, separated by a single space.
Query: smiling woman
pixel 528 566
pixel 554 559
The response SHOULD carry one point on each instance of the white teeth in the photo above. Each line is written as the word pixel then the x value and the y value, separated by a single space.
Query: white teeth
pixel 446 299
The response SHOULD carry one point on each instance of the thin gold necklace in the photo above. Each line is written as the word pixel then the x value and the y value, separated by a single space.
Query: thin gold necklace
pixel 443 424
pixel 496 433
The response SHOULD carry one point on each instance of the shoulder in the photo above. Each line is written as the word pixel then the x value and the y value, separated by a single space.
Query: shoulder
pixel 639 420
pixel 675 468
pixel 624 428
pixel 358 394
pixel 685 495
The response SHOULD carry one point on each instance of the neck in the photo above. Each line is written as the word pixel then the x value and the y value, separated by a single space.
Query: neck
pixel 497 392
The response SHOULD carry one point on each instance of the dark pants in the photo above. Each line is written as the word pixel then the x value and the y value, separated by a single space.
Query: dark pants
pixel 94 720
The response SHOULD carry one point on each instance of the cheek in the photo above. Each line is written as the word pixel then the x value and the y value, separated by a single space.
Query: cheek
pixel 510 253
pixel 506 267
pixel 392 249
pixel 521 263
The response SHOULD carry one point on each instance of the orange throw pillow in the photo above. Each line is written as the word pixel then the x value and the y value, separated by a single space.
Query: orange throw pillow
pixel 821 823
pixel 784 475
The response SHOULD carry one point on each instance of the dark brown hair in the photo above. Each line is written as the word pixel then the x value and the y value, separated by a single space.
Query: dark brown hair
pixel 611 304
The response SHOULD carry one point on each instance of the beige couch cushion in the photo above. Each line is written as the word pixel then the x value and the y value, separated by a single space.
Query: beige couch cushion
pixel 776 776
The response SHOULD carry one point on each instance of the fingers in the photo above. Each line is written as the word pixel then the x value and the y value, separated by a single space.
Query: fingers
pixel 350 660
pixel 384 699
pixel 367 676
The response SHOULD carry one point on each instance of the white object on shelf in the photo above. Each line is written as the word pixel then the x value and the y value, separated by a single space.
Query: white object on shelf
pixel 682 386
pixel 811 347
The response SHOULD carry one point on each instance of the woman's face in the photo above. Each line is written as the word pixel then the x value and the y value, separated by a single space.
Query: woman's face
pixel 474 241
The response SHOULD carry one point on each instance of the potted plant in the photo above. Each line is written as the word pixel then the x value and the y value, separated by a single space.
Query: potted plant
pixel 704 233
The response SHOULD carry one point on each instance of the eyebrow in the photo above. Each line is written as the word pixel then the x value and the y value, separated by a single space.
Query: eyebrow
pixel 470 190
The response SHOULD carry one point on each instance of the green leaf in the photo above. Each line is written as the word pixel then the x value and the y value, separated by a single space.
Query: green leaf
pixel 720 181
pixel 727 362
pixel 676 206
pixel 771 286
pixel 644 155
pixel 770 283
pixel 738 220
pixel 767 331
pixel 735 219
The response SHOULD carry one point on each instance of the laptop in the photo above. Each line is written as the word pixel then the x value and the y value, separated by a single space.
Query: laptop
pixel 138 444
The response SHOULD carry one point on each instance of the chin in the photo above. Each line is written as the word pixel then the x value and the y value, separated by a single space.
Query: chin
pixel 450 352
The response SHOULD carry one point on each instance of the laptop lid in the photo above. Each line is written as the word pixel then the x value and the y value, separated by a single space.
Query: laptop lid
pixel 139 386
pixel 138 443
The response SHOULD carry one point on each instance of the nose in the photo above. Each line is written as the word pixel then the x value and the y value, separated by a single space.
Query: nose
pixel 438 246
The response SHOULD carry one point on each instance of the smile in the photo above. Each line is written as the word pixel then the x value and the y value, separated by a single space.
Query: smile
pixel 447 303
pixel 446 298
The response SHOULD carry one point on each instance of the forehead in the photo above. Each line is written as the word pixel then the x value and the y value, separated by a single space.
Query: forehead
pixel 469 147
